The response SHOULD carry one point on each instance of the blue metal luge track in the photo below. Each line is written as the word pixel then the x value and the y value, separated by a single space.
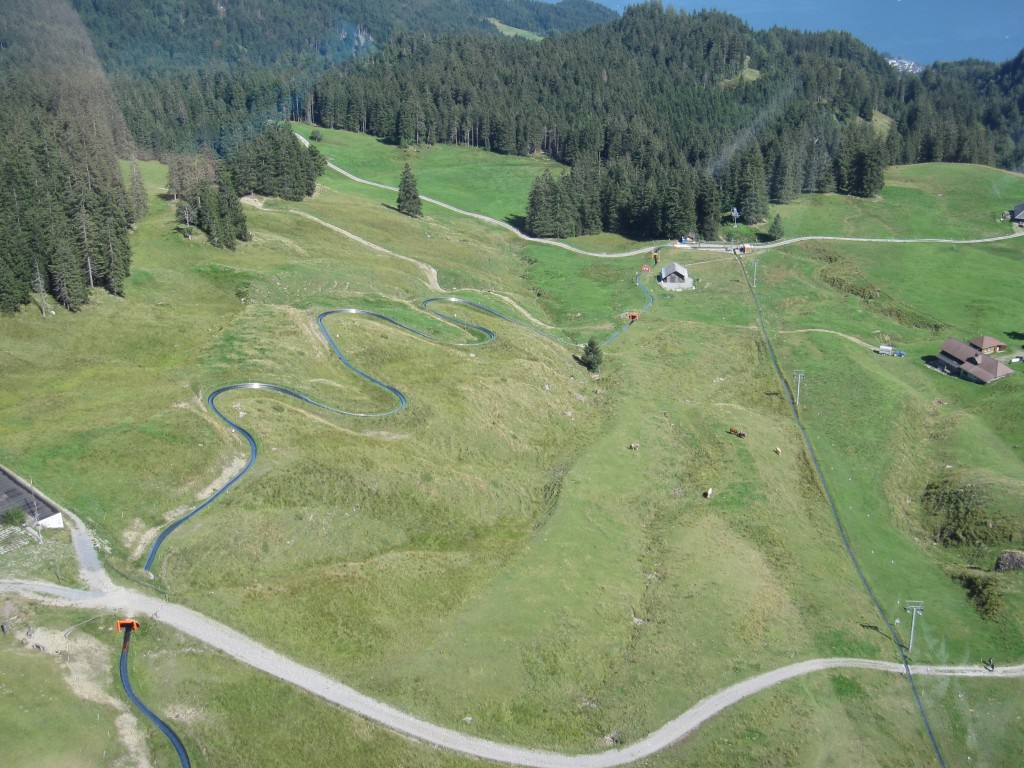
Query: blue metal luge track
pixel 481 335
pixel 164 727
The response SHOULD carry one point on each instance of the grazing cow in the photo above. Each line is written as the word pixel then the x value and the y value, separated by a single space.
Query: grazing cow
pixel 737 431
pixel 634 446
pixel 778 451
pixel 708 492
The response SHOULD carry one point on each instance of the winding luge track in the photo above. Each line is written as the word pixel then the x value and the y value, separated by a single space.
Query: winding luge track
pixel 104 595
pixel 483 336
pixel 164 727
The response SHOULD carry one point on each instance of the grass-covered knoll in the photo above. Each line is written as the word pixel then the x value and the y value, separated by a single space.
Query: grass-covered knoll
pixel 509 31
pixel 933 200
pixel 496 552
pixel 471 179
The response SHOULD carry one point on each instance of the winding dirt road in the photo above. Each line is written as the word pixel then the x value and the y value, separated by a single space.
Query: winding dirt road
pixel 847 336
pixel 647 249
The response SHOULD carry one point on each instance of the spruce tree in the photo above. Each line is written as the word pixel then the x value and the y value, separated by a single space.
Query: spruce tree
pixel 408 198
pixel 592 356
pixel 139 198
pixel 709 209
pixel 753 191
pixel 775 232
pixel 230 209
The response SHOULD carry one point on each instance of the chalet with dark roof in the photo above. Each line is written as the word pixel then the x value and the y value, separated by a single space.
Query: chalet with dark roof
pixel 988 346
pixel 969 362
pixel 1017 214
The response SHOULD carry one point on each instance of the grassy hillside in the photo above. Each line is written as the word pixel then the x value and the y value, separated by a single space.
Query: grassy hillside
pixel 508 31
pixel 471 179
pixel 495 552
pixel 930 200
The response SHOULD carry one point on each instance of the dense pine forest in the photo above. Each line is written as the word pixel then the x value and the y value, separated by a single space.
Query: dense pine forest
pixel 665 120
pixel 64 210
pixel 193 73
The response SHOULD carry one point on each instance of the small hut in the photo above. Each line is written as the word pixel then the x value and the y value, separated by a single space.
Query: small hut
pixel 674 277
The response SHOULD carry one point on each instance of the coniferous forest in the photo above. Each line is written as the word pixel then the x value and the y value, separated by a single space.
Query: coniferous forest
pixel 665 120
pixel 64 210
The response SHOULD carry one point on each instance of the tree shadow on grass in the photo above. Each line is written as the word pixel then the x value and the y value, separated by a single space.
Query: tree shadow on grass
pixel 395 209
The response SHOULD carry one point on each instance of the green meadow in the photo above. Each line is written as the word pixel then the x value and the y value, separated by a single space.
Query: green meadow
pixel 494 558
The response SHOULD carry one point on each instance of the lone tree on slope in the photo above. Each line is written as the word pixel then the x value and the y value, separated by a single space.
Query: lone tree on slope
pixel 408 198
pixel 592 356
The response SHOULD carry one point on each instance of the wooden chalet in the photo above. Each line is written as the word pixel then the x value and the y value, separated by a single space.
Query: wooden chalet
pixel 968 362
pixel 988 346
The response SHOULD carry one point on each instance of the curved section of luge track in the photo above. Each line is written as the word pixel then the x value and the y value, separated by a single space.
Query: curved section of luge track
pixel 150 715
pixel 481 335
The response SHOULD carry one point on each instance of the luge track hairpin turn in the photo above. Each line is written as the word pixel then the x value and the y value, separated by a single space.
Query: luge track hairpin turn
pixel 483 336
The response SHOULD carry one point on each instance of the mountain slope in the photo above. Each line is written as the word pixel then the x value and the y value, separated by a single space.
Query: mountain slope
pixel 177 33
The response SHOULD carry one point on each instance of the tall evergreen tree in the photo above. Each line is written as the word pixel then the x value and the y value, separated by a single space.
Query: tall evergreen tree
pixel 709 209
pixel 408 197
pixel 235 224
pixel 139 197
pixel 753 190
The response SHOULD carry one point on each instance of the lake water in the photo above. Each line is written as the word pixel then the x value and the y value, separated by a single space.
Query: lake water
pixel 924 31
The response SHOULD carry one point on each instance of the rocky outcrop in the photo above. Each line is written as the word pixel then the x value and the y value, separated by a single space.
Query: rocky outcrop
pixel 1010 560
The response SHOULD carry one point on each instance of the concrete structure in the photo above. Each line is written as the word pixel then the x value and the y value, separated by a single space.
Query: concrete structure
pixel 15 493
pixel 674 277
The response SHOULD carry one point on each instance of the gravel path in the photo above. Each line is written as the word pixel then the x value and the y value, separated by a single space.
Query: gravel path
pixel 854 339
pixel 128 602
pixel 647 249
pixel 427 270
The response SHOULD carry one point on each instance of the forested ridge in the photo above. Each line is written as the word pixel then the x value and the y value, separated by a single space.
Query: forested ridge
pixel 160 34
pixel 665 119
pixel 64 210
pixel 194 73
pixel 668 118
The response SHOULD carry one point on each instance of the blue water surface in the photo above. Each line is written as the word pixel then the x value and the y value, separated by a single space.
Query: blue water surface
pixel 923 31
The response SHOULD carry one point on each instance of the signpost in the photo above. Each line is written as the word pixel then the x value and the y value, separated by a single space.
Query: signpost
pixel 914 607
